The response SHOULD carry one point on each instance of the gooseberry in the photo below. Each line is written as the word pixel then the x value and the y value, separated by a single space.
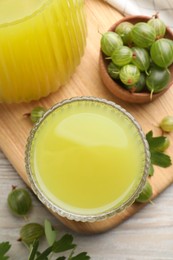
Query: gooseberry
pixel 124 31
pixel 164 146
pixel 139 85
pixel 113 70
pixel 151 170
pixel 19 201
pixel 166 124
pixel 158 25
pixel 140 58
pixel 162 53
pixel 129 74
pixel 109 42
pixel 122 56
pixel 30 232
pixel 143 35
pixel 157 79
pixel 146 193
pixel 37 113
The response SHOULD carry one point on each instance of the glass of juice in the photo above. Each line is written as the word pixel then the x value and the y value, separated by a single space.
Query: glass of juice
pixel 41 43
pixel 87 159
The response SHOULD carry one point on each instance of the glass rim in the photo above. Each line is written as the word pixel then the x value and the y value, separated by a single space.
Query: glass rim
pixel 86 217
pixel 28 17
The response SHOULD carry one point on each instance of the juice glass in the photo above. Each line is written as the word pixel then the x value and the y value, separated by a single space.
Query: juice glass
pixel 41 43
pixel 87 159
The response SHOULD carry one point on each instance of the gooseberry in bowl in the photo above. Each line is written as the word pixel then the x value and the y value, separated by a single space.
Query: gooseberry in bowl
pixel 141 69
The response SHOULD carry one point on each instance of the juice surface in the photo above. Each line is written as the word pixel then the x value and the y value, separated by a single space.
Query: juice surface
pixel 41 44
pixel 13 10
pixel 87 157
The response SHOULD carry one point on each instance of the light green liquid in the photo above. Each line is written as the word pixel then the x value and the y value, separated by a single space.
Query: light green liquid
pixel 87 157
pixel 41 43
pixel 12 10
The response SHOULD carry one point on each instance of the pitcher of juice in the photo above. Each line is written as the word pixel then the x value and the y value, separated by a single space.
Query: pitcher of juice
pixel 41 43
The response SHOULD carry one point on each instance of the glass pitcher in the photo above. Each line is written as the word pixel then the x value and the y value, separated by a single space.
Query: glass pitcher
pixel 41 43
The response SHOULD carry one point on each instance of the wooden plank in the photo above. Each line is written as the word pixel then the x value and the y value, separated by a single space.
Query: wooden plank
pixel 86 81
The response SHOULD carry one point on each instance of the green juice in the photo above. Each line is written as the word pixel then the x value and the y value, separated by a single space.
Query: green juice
pixel 41 43
pixel 87 157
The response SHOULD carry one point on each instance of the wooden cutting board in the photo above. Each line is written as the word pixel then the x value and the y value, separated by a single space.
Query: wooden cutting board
pixel 15 128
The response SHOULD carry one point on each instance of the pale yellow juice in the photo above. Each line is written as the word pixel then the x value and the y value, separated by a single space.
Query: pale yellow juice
pixel 41 43
pixel 87 157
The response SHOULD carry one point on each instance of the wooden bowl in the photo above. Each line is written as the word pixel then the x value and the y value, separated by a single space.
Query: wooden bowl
pixel 115 87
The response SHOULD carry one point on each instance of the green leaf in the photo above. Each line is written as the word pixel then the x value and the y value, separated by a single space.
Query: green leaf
pixel 157 158
pixel 4 257
pixel 155 142
pixel 49 232
pixel 34 248
pixel 149 135
pixel 81 256
pixel 61 258
pixel 4 248
pixel 160 159
pixel 44 258
pixel 45 253
pixel 64 244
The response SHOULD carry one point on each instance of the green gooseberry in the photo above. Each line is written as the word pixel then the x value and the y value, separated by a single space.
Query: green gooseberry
pixel 124 31
pixel 37 113
pixel 162 53
pixel 19 201
pixel 151 170
pixel 146 193
pixel 158 25
pixel 166 124
pixel 30 232
pixel 129 74
pixel 109 42
pixel 164 146
pixel 122 56
pixel 113 70
pixel 157 79
pixel 143 35
pixel 139 85
pixel 141 58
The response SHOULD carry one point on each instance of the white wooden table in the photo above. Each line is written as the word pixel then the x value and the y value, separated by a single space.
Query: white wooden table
pixel 148 235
